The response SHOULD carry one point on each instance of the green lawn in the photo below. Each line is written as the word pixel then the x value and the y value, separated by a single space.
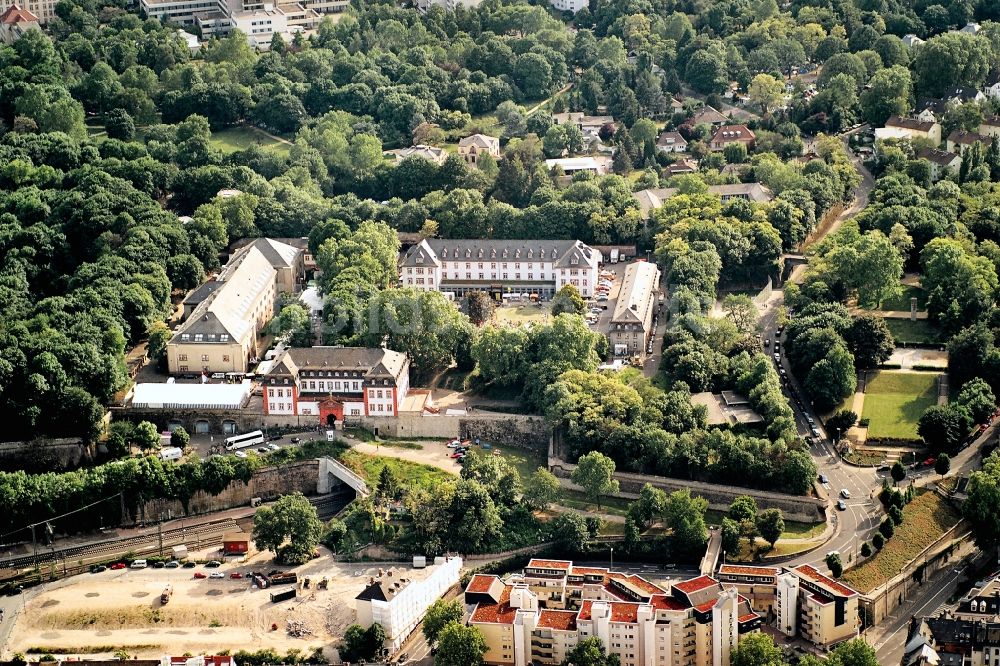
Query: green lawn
pixel 920 330
pixel 925 519
pixel 410 474
pixel 240 138
pixel 520 314
pixel 894 402
pixel 902 302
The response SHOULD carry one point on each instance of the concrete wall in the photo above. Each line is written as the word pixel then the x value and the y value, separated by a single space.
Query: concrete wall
pixel 802 509
pixel 266 483
pixel 44 455
pixel 522 431
pixel 942 554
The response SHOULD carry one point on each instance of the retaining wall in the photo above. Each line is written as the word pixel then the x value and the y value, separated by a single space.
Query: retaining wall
pixel 794 507
pixel 266 483
pixel 44 455
pixel 521 431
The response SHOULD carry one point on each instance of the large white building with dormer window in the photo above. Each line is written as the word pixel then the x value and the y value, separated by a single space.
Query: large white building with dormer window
pixel 500 267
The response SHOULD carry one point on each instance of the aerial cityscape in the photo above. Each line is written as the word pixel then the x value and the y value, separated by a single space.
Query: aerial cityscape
pixel 500 332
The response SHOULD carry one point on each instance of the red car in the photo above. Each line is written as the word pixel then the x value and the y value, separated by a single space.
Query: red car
pixel 117 565
pixel 458 454
pixel 198 574
pixel 236 575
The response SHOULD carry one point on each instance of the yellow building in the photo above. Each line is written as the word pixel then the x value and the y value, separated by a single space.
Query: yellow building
pixel 220 335
pixel 816 607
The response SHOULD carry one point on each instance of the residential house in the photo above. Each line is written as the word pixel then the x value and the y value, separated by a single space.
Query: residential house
pixel 992 86
pixel 949 640
pixel 911 40
pixel 631 326
pixel 448 5
pixel 816 607
pixel 398 602
pixel 540 616
pixel 909 128
pixel 598 166
pixel 727 135
pixel 671 142
pixel 963 94
pixel 590 126
pixel 971 28
pixel 330 384
pixel 654 198
pixel 682 166
pixel 990 127
pixel 707 115
pixel 959 141
pixel 942 162
pixel 429 153
pixel 503 268
pixel 568 5
pixel 14 22
pixel 472 147
pixel 930 109
pixel 220 334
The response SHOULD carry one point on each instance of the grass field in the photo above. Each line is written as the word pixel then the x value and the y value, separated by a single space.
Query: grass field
pixel 520 314
pixel 410 474
pixel 894 402
pixel 920 330
pixel 240 138
pixel 925 519
pixel 902 302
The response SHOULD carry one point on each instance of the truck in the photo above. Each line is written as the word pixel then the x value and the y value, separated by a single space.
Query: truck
pixel 280 578
pixel 283 595
pixel 613 259
pixel 166 594
pixel 179 552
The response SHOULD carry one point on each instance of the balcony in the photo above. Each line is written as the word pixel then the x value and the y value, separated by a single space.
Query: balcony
pixel 546 645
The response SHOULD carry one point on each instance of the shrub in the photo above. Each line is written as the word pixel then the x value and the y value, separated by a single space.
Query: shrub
pixel 864 422
pixel 878 541
pixel 866 549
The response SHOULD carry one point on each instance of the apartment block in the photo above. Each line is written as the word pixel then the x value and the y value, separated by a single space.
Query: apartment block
pixel 816 607
pixel 502 268
pixel 540 615
pixel 632 320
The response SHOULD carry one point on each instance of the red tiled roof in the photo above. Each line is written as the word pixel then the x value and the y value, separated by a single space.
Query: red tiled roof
pixel 707 606
pixel 480 583
pixel 624 612
pixel 14 14
pixel 813 574
pixel 733 133
pixel 695 584
pixel 498 613
pixel 587 571
pixel 549 564
pixel 819 598
pixel 664 602
pixel 748 617
pixel 747 571
pixel 645 585
pixel 585 610
pixel 562 620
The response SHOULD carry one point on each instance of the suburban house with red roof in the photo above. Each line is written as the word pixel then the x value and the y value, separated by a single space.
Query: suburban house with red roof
pixel 730 134
pixel 540 615
pixel 14 22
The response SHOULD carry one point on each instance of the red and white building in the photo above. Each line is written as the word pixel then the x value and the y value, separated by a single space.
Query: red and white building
pixel 334 383
pixel 541 615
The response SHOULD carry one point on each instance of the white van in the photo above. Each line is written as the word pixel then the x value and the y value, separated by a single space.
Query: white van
pixel 171 453
pixel 138 564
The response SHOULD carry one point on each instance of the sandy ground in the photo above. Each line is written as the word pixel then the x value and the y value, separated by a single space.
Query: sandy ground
pixel 122 609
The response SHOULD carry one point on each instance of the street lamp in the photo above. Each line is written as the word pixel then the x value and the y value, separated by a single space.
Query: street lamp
pixel 612 557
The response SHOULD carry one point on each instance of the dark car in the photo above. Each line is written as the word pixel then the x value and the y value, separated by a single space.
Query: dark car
pixel 823 479
pixel 158 565
pixel 189 565
pixel 261 449
pixel 98 568
pixel 296 440
pixel 274 438
pixel 841 506
pixel 213 564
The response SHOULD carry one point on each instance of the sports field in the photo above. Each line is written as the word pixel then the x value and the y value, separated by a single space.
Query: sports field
pixel 894 402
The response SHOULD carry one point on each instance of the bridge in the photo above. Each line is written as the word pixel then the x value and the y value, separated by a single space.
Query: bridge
pixel 332 472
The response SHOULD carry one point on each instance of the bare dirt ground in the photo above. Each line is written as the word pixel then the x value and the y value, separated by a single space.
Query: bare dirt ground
pixel 100 613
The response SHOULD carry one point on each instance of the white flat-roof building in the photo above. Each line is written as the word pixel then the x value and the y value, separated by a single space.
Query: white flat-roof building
pixel 191 396
pixel 571 165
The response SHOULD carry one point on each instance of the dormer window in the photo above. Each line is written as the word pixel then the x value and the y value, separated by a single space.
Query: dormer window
pixel 468 253
pixel 185 337
pixel 224 337
pixel 444 253
pixel 480 253
pixel 531 254
pixel 505 253
pixel 198 337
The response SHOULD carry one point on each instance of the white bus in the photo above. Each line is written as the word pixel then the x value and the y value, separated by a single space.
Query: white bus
pixel 237 442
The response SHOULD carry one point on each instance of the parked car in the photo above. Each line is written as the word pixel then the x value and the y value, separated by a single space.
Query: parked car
pixel 602 297
pixel 815 433
pixel 172 564
pixel 241 454
pixel 98 568
pixel 273 447
pixel 213 564
pixel 823 479
pixel 274 438
pixel 458 454
pixel 117 566
pixel 216 574
pixel 199 575
pixel 138 564
pixel 296 440
pixel 841 505
pixel 261 449
pixel 845 493
pixel 236 575
pixel 159 565
pixel 189 565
